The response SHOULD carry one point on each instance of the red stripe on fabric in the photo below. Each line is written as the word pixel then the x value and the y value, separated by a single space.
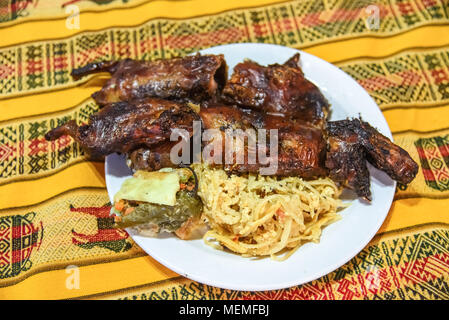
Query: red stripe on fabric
pixel 340 15
pixel 429 3
pixel 283 25
pixel 426 269
pixel 204 39
pixel 439 76
pixel 21 148
pixel 99 212
pixel 312 19
pixel 60 62
pixel 6 71
pixel 421 153
pixel 35 66
pixel 260 29
pixel 7 151
pixel 444 150
pixel 428 174
pixel 22 230
pixel 103 235
pixel 91 54
pixel 375 282
pixel 406 8
pixel 409 78
pixel 38 145
pixel 124 50
pixel 4 11
pixel 15 7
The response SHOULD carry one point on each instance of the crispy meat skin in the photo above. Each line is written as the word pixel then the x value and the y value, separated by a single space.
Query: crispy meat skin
pixel 268 97
pixel 192 78
pixel 352 141
pixel 155 159
pixel 277 89
pixel 301 148
pixel 125 126
pixel 158 156
pixel 381 152
pixel 346 160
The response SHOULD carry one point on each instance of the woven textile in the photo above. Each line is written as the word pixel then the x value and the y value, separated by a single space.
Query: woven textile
pixel 54 208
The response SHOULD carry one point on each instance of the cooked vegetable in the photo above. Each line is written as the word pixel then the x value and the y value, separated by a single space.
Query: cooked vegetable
pixel 166 218
pixel 153 187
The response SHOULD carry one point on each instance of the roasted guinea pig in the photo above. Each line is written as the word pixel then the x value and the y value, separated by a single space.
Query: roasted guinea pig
pixel 124 126
pixel 340 151
pixel 277 89
pixel 192 78
pixel 300 148
pixel 275 97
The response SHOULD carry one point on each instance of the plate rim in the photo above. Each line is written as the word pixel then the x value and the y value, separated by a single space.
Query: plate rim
pixel 294 281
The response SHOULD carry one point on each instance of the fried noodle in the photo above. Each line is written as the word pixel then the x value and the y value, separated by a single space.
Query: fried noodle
pixel 255 215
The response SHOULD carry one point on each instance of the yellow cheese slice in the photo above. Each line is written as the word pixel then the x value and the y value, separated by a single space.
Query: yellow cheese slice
pixel 153 187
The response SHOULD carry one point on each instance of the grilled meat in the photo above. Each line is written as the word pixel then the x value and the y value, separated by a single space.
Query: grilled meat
pixel 379 150
pixel 136 121
pixel 301 147
pixel 155 159
pixel 346 160
pixel 125 126
pixel 192 78
pixel 277 89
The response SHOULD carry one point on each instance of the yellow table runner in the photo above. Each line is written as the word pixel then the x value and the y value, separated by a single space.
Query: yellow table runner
pixel 53 201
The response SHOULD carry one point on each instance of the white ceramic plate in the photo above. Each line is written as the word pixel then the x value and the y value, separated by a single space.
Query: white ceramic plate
pixel 340 241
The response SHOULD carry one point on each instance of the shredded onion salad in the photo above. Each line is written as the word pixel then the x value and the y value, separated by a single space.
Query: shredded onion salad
pixel 255 215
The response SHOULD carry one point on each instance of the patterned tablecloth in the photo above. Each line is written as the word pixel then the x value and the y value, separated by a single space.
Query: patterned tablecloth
pixel 53 202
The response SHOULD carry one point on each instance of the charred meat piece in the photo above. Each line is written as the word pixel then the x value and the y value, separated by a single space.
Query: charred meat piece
pixel 192 78
pixel 277 89
pixel 152 160
pixel 125 126
pixel 346 161
pixel 381 152
pixel 301 147
pixel 352 141
pixel 221 119
pixel 158 156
